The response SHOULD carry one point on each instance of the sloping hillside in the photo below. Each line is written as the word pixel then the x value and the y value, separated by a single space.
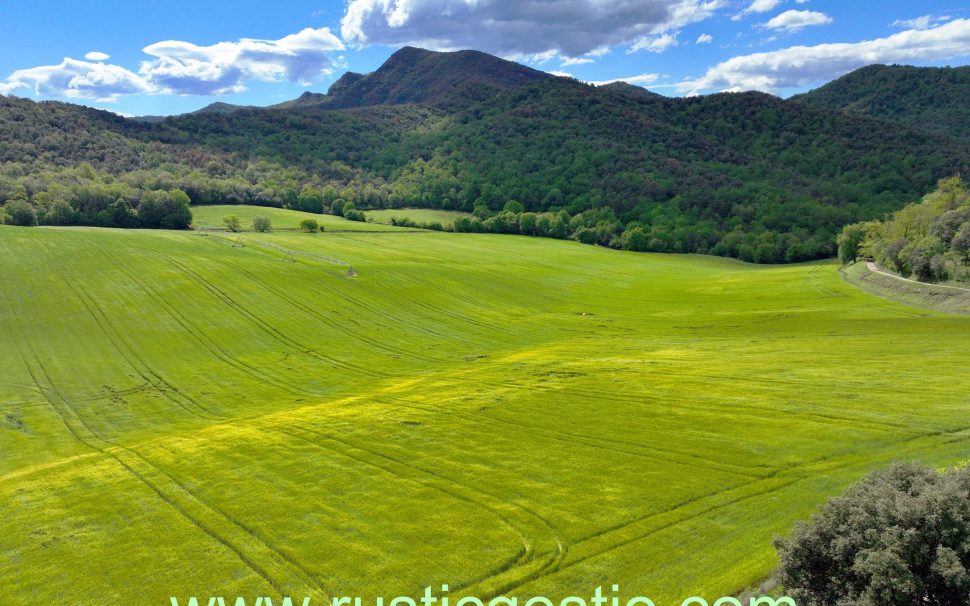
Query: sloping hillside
pixel 930 98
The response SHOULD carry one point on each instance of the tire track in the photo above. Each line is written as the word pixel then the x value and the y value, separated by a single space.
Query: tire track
pixel 269 329
pixel 210 344
pixel 275 568
pixel 652 453
pixel 294 302
pixel 526 554
pixel 134 361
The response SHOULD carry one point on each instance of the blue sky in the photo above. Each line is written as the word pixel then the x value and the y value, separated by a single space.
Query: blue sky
pixel 167 58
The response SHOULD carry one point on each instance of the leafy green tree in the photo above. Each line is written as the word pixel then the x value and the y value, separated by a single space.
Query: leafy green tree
pixel 960 244
pixel 152 209
pixel 20 212
pixel 919 257
pixel 309 226
pixel 527 224
pixel 352 214
pixel 514 206
pixel 635 238
pixel 262 224
pixel 232 223
pixel 310 200
pixel 60 213
pixel 850 241
pixel 900 537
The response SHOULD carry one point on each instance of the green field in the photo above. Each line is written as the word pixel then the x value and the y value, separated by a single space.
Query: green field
pixel 282 219
pixel 182 414
pixel 418 215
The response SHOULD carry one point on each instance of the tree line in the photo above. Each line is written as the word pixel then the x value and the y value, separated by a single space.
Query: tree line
pixel 928 240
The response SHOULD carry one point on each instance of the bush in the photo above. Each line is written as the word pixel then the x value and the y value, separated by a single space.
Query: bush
pixel 352 214
pixel 262 224
pixel 232 223
pixel 19 212
pixel 309 226
pixel 897 538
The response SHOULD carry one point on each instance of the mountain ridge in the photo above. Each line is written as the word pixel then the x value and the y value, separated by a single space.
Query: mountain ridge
pixel 748 175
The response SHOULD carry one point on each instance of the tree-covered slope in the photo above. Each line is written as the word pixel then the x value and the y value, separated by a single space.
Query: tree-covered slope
pixel 746 175
pixel 931 98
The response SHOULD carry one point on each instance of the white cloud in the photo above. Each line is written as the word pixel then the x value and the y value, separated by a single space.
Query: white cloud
pixel 185 68
pixel 78 80
pixel 924 22
pixel 569 28
pixel 654 44
pixel 757 6
pixel 704 39
pixel 792 20
pixel 800 66
pixel 641 80
pixel 576 61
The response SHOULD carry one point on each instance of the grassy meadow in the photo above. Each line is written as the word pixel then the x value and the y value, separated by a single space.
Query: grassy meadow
pixel 418 215
pixel 192 414
pixel 210 217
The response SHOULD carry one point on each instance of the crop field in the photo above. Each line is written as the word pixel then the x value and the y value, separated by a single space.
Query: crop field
pixel 418 215
pixel 192 414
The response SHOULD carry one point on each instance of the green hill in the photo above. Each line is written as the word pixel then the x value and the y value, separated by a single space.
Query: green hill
pixel 180 414
pixel 743 175
pixel 930 98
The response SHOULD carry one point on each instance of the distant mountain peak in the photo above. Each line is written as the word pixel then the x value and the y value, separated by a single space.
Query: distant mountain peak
pixel 416 75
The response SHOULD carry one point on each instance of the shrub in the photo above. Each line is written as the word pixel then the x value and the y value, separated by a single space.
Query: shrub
pixel 352 214
pixel 309 226
pixel 20 212
pixel 232 223
pixel 897 538
pixel 262 224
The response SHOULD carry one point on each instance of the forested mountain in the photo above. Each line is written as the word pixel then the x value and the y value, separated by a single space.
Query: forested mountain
pixel 930 98
pixel 746 175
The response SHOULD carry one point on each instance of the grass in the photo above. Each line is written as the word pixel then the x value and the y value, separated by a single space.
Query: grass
pixel 184 415
pixel 932 296
pixel 282 219
pixel 418 215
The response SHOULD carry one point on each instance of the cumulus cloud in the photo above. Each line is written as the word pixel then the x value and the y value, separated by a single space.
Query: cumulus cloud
pixel 757 6
pixel 78 80
pixel 576 61
pixel 800 66
pixel 654 44
pixel 924 22
pixel 184 68
pixel 704 39
pixel 792 20
pixel 522 28
pixel 641 80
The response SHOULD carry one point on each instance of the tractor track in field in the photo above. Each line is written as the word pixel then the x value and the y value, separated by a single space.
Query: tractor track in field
pixel 135 362
pixel 796 473
pixel 175 495
pixel 822 418
pixel 432 286
pixel 523 556
pixel 395 321
pixel 294 302
pixel 210 344
pixel 652 453
pixel 269 329
pixel 557 555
